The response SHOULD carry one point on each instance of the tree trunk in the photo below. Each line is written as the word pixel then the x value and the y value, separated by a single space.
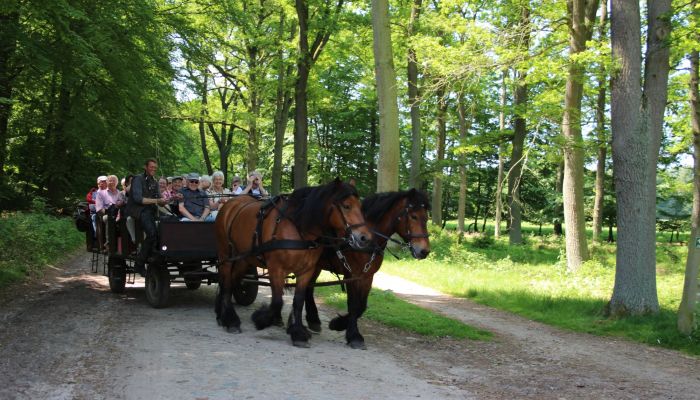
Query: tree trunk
pixel 388 168
pixel 635 117
pixel 559 209
pixel 283 102
pixel 202 130
pixel 308 54
pixel 253 136
pixel 601 137
pixel 580 30
pixel 687 321
pixel 57 163
pixel 437 180
pixel 515 235
pixel 464 126
pixel 9 26
pixel 301 123
pixel 501 158
pixel 413 100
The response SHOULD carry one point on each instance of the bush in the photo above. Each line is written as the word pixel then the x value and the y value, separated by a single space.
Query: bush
pixel 30 241
pixel 483 241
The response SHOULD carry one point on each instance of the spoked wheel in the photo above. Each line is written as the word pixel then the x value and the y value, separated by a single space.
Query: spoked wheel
pixel 246 292
pixel 157 285
pixel 116 272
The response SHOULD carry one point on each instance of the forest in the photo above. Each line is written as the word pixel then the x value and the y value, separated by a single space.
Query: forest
pixel 575 115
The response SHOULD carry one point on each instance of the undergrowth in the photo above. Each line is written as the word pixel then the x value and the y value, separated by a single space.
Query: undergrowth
pixel 31 241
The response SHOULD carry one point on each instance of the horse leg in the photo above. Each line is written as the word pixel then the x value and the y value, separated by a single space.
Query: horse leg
pixel 312 318
pixel 340 322
pixel 272 314
pixel 226 314
pixel 357 304
pixel 300 336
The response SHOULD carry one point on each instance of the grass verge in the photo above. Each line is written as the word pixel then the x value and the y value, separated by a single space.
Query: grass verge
pixel 531 280
pixel 31 241
pixel 385 307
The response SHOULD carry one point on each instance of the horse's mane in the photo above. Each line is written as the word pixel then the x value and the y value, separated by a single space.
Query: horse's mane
pixel 308 202
pixel 374 207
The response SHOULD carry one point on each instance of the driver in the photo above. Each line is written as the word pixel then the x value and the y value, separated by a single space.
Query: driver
pixel 144 199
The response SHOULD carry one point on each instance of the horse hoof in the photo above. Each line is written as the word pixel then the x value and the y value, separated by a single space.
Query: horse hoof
pixel 315 327
pixel 233 329
pixel 301 343
pixel 357 345
pixel 218 321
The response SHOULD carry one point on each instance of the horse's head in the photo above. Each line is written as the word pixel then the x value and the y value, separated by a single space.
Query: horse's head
pixel 412 223
pixel 335 206
pixel 345 215
pixel 404 213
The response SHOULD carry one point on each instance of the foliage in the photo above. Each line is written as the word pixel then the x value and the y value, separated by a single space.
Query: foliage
pixel 89 84
pixel 31 241
pixel 532 280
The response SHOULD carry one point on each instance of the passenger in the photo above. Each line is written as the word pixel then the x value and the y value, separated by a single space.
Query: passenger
pixel 106 203
pixel 195 203
pixel 255 187
pixel 144 198
pixel 123 201
pixel 218 194
pixel 163 187
pixel 205 182
pixel 91 197
pixel 236 188
pixel 176 196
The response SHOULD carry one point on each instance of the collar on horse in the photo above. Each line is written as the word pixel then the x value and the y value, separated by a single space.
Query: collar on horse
pixel 280 203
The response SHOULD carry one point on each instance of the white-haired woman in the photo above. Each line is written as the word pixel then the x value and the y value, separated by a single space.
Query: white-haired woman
pixel 255 187
pixel 218 192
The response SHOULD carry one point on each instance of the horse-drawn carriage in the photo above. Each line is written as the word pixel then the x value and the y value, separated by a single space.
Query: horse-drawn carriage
pixel 186 254
pixel 257 242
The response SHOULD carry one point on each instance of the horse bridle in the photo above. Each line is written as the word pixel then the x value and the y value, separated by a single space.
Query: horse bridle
pixel 348 238
pixel 409 234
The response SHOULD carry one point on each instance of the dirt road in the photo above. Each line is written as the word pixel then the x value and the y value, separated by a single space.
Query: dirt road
pixel 68 337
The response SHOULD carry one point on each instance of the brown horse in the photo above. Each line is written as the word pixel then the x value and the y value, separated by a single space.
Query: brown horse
pixel 286 235
pixel 404 213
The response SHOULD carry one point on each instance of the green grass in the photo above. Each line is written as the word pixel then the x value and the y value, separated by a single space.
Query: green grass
pixel 531 280
pixel 385 307
pixel 31 241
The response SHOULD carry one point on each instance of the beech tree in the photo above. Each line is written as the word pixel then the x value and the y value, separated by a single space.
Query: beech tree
pixel 581 16
pixel 637 118
pixel 388 165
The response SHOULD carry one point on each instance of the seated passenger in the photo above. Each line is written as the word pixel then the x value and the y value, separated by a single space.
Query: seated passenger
pixel 175 196
pixel 92 196
pixel 195 202
pixel 205 182
pixel 107 201
pixel 255 187
pixel 236 188
pixel 163 187
pixel 218 194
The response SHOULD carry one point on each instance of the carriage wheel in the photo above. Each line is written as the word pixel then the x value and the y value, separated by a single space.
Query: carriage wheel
pixel 116 272
pixel 157 285
pixel 246 292
pixel 193 284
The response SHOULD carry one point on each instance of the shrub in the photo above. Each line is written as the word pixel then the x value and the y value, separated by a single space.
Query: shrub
pixel 30 241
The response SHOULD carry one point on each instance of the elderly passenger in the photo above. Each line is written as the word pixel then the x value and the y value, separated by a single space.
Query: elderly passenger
pixel 218 194
pixel 236 188
pixel 106 203
pixel 255 187
pixel 195 203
